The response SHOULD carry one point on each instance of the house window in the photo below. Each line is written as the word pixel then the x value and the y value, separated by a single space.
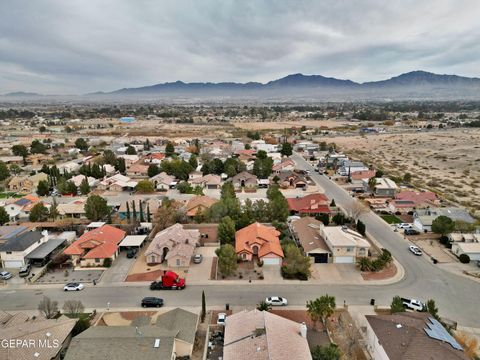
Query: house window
pixel 9 252
pixel 244 256
pixel 97 260
pixel 349 249
pixel 178 262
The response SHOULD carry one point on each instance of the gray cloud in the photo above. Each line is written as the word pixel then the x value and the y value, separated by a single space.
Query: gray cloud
pixel 56 46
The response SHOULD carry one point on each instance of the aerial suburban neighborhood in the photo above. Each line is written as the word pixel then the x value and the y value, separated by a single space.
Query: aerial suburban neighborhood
pixel 233 211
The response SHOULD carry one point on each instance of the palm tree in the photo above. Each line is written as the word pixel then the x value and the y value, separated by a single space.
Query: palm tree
pixel 263 306
pixel 364 264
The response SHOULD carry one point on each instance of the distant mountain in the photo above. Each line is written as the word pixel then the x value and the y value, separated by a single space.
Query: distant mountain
pixel 21 94
pixel 412 85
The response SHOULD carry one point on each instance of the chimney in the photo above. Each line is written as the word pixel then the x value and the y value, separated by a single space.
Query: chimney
pixel 303 330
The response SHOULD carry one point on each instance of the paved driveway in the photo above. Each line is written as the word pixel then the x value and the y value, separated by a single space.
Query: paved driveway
pixel 201 272
pixel 119 269
pixel 336 274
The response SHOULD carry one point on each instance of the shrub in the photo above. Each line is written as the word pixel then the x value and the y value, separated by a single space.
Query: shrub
pixel 260 263
pixel 107 262
pixel 464 258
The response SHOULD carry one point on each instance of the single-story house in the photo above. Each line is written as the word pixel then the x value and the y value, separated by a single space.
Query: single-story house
pixel 259 241
pixel 262 335
pixel 244 180
pixel 118 182
pixel 306 232
pixel 73 209
pixel 47 338
pixel 291 180
pixel 78 179
pixel 407 201
pixel 26 183
pixel 287 164
pixel 209 181
pixel 348 167
pixel 385 187
pixel 423 218
pixel 310 204
pixel 472 249
pixel 94 246
pixel 16 242
pixel 174 244
pixel 138 170
pixel 163 181
pixel 198 203
pixel 362 174
pixel 154 158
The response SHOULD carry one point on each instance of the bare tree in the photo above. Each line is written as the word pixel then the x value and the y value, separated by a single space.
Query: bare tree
pixel 73 307
pixel 48 308
pixel 356 210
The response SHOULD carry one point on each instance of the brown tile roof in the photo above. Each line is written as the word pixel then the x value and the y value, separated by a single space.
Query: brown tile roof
pixel 410 341
pixel 265 236
pixel 307 230
pixel 199 202
pixel 260 335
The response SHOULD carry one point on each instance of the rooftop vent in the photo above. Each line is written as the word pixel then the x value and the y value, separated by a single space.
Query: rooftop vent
pixel 157 343
pixel 48 334
pixel 399 326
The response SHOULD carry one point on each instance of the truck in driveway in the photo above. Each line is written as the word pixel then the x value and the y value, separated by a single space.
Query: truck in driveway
pixel 169 281
pixel 413 304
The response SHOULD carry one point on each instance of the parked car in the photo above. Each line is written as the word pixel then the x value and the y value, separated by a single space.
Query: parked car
pixel 5 275
pixel 404 226
pixel 221 318
pixel 73 287
pixel 276 301
pixel 197 259
pixel 131 253
pixel 410 231
pixel 415 249
pixel 24 271
pixel 152 302
pixel 413 304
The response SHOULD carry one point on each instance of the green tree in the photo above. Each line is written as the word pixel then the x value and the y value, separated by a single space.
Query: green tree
pixel 263 306
pixel 339 219
pixel 43 188
pixel 262 166
pixel 397 305
pixel 361 228
pixel 4 172
pixel 443 225
pixel 53 213
pixel 145 187
pixel 193 161
pixel 96 208
pixel 128 214
pixel 142 215
pixel 324 218
pixel 296 265
pixel 277 204
pixel 38 213
pixel 286 149
pixel 204 307
pixel 184 187
pixel 226 230
pixel 15 169
pixel 372 183
pixel 432 309
pixel 130 150
pixel 227 191
pixel 4 217
pixel 332 203
pixel 36 147
pixel 20 150
pixel 153 170
pixel 227 259
pixel 169 149
pixel 321 308
pixel 120 165
pixel 84 187
pixel 407 177
pixel 109 157
pixel 81 144
pixel 326 352
pixel 149 215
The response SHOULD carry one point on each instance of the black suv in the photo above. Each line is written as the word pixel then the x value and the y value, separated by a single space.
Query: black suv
pixel 152 302
pixel 411 232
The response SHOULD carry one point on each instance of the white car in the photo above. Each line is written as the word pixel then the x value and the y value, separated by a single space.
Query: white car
pixel 5 275
pixel 404 226
pixel 221 318
pixel 73 287
pixel 276 301
pixel 415 249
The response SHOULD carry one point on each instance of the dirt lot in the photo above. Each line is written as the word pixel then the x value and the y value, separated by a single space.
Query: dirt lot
pixel 288 124
pixel 446 162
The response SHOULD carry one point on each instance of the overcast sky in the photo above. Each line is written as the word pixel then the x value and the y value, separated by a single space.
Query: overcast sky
pixel 74 47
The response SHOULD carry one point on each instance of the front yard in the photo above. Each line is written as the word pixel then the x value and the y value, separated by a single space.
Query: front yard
pixel 391 219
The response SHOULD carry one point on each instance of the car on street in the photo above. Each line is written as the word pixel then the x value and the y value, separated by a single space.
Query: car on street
pixel 413 304
pixel 411 231
pixel 415 250
pixel 197 259
pixel 5 275
pixel 73 287
pixel 151 301
pixel 276 301
pixel 221 318
pixel 404 226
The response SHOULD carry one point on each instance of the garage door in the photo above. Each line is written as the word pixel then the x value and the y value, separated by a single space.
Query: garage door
pixel 319 258
pixel 271 261
pixel 344 260
pixel 12 264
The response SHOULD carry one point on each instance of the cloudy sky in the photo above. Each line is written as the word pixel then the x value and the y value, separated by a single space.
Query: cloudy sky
pixel 74 47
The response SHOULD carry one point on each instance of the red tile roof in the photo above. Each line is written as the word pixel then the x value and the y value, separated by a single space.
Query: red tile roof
pixel 102 242
pixel 156 156
pixel 312 203
pixel 265 236
pixel 360 175
pixel 417 197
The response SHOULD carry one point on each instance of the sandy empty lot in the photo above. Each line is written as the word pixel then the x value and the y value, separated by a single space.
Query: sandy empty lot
pixel 447 162
pixel 278 125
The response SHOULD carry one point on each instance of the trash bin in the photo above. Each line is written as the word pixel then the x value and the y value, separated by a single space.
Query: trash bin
pixel 372 302
pixel 227 307
pixel 434 260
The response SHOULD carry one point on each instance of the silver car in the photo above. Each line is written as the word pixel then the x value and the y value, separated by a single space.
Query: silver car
pixel 5 275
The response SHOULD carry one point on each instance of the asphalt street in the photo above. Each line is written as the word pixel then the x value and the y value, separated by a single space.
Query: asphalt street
pixel 456 297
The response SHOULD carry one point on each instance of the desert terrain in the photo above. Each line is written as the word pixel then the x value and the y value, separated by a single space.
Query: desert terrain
pixel 447 162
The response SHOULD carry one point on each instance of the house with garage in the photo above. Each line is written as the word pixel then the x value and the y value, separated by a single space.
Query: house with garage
pixel 209 181
pixel 384 187
pixel 154 158
pixel 423 218
pixel 471 249
pixel 78 179
pixel 117 182
pixel 409 201
pixel 317 203
pixel 306 232
pixel 345 244
pixel 291 180
pixel 163 181
pixel 138 170
pixel 175 245
pixel 259 242
pixel 26 184
pixel 198 204
pixel 95 246
pixel 16 243
pixel 286 164
pixel 245 181
pixel 73 209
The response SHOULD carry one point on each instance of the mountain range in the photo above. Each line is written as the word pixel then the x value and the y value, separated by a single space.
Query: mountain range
pixel 411 85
